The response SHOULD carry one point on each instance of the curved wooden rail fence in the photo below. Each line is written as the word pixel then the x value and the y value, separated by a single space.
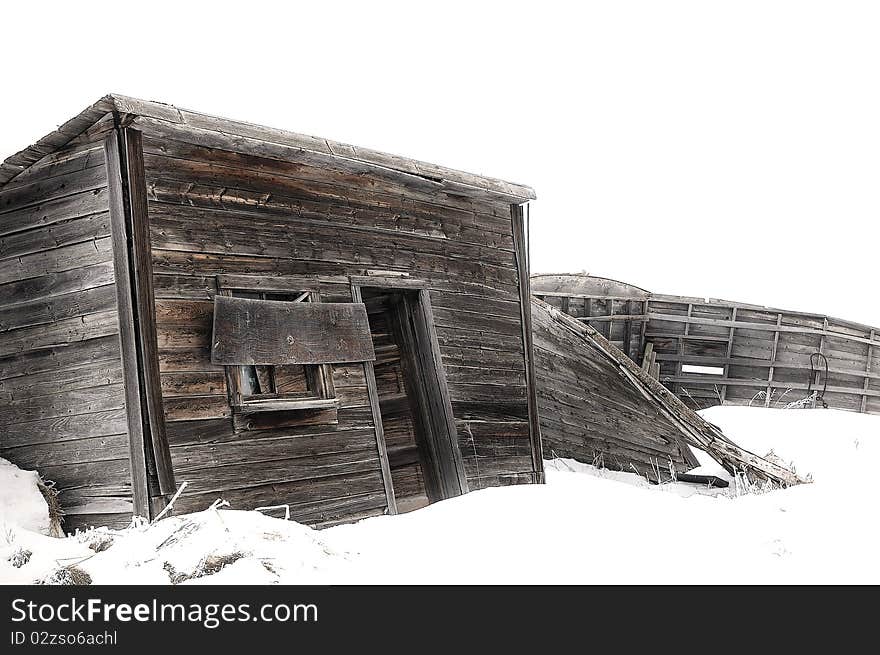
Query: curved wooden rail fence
pixel 713 351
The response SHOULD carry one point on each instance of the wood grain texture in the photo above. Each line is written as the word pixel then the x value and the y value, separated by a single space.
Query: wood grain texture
pixel 200 197
pixel 114 149
pixel 761 354
pixel 61 396
pixel 274 332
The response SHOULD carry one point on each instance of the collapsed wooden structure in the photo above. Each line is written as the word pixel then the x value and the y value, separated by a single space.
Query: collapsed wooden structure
pixel 273 318
pixel 711 351
pixel 596 405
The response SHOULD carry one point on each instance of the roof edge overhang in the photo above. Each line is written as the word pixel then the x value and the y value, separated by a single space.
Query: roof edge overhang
pixel 287 146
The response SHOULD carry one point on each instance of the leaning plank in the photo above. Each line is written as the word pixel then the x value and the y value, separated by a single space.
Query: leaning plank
pixel 115 153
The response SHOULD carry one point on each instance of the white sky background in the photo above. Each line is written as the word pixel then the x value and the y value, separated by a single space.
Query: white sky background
pixel 726 149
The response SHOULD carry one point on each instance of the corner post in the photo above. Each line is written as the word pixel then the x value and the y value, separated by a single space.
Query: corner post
pixel 520 224
pixel 132 263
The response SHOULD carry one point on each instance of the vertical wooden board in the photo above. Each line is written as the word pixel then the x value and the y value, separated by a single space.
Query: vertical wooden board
pixel 519 226
pixel 145 308
pixel 438 390
pixel 373 393
pixel 127 335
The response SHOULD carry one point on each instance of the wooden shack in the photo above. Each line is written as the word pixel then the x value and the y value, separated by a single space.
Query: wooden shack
pixel 275 319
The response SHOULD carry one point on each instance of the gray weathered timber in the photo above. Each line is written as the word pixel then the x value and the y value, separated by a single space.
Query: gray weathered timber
pixel 140 251
pixel 126 230
pixel 273 332
pixel 114 147
pixel 255 139
pixel 306 227
pixel 520 238
pixel 761 354
pixel 692 428
pixel 61 395
pixel 590 412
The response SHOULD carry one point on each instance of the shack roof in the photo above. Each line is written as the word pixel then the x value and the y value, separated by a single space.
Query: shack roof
pixel 269 142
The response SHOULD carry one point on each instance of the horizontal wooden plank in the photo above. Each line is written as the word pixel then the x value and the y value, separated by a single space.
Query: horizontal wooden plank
pixel 247 452
pixel 94 373
pixel 72 355
pixel 62 428
pixel 304 496
pixel 189 383
pixel 55 260
pixel 56 284
pixel 187 359
pixel 415 178
pixel 50 188
pixel 75 401
pixel 53 211
pixel 240 475
pixel 220 232
pixel 220 430
pixel 95 226
pixel 189 408
pixel 91 449
pixel 56 308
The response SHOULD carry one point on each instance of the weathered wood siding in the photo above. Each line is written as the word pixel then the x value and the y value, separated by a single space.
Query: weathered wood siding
pixel 62 410
pixel 590 412
pixel 215 212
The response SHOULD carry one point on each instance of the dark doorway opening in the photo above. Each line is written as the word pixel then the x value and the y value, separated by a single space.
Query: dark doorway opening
pixel 416 413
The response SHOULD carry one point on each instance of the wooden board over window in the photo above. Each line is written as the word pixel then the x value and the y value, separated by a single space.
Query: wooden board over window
pixel 274 332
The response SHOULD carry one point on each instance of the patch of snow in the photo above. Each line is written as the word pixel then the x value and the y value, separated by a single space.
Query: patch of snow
pixel 21 503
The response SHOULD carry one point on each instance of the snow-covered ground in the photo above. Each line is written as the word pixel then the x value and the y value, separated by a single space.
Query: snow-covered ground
pixel 584 526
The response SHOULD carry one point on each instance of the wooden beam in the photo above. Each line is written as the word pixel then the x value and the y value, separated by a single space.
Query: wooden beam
pixel 135 410
pixel 279 283
pixel 687 331
pixel 769 391
pixel 454 481
pixel 373 394
pixel 730 337
pixel 765 327
pixel 864 403
pixel 142 260
pixel 388 281
pixel 519 224
pixel 762 384
pixel 648 357
pixel 821 351
pixel 627 330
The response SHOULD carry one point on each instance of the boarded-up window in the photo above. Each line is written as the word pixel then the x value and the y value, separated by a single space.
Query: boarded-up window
pixel 278 348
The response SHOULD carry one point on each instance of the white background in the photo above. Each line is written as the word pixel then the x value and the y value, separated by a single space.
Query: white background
pixel 726 149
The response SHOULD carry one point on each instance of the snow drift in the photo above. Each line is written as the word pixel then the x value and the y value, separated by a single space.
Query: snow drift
pixel 586 525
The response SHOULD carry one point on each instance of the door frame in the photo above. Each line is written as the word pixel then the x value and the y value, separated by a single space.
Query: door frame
pixel 437 414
